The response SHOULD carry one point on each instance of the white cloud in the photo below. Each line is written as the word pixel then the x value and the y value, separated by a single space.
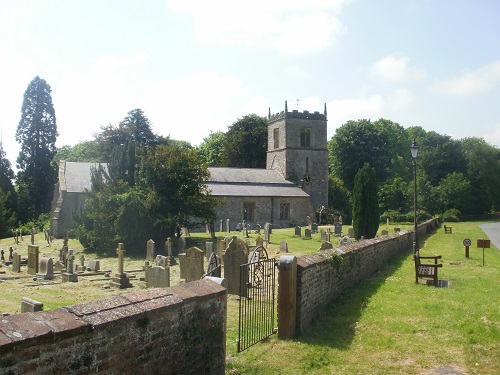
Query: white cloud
pixel 293 26
pixel 396 68
pixel 471 82
pixel 189 108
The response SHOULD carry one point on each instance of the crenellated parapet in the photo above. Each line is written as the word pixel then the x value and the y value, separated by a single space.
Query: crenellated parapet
pixel 305 115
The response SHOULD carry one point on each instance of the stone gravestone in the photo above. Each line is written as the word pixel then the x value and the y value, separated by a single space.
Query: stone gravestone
pixel 11 250
pixel 214 266
pixel 350 232
pixel 93 265
pixel 209 249
pixel 283 247
pixel 30 305
pixel 120 279
pixel 185 232
pixel 309 221
pixel 228 228
pixel 314 227
pixel 81 267
pixel 182 265
pixel 307 233
pixel 182 244
pixel 33 252
pixel 158 277
pixel 16 263
pixel 267 233
pixel 46 269
pixel 221 246
pixel 169 246
pixel 69 275
pixel 150 250
pixel 326 245
pixel 385 233
pixel 259 242
pixel 298 231
pixel 194 261
pixel 234 256
pixel 161 261
pixel 257 228
pixel 3 256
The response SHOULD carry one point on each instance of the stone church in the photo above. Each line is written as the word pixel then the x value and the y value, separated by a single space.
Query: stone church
pixel 293 186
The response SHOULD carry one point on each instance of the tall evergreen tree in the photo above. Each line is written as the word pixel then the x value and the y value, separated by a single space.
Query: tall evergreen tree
pixel 365 209
pixel 37 134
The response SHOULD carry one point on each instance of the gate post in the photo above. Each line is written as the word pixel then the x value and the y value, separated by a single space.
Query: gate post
pixel 287 296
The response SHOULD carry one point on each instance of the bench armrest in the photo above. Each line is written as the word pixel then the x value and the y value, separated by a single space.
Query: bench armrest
pixel 432 257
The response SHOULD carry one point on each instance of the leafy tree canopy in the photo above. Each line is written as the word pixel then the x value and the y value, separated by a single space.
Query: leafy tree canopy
pixel 245 144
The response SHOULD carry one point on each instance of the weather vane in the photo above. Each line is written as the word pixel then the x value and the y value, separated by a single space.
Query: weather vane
pixel 298 102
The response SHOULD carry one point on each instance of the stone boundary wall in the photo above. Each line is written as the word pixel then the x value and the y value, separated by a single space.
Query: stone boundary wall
pixel 179 330
pixel 320 278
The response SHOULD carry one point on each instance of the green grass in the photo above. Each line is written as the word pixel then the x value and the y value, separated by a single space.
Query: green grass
pixel 387 324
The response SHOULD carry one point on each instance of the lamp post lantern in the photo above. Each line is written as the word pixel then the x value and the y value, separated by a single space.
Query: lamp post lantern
pixel 414 153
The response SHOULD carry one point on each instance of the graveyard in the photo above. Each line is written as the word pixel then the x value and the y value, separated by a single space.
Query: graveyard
pixel 452 329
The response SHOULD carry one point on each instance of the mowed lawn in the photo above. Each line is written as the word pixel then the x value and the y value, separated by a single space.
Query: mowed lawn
pixel 388 324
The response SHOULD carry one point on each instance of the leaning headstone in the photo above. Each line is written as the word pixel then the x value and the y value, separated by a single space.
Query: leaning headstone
pixel 46 269
pixel 150 250
pixel 16 263
pixel 194 260
pixel 234 257
pixel 307 233
pixel 283 247
pixel 93 265
pixel 33 252
pixel 120 279
pixel 298 231
pixel 30 305
pixel 158 277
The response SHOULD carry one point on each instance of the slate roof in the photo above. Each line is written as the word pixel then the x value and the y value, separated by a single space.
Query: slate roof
pixel 77 176
pixel 238 182
pixel 250 182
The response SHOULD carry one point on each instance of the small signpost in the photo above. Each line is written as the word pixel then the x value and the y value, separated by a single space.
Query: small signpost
pixel 467 243
pixel 485 244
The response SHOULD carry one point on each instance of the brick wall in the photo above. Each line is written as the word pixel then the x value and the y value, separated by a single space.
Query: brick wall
pixel 321 279
pixel 179 330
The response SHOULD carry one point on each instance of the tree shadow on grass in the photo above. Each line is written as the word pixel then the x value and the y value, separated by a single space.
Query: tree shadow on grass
pixel 335 326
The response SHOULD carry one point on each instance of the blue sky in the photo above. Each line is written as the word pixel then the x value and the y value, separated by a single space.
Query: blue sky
pixel 195 67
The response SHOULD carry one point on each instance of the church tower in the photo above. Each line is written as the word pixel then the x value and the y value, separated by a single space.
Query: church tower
pixel 297 148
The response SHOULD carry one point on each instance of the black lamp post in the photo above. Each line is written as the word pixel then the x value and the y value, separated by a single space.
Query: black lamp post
pixel 414 154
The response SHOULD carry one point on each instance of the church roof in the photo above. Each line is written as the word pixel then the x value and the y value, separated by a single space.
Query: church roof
pixel 241 182
pixel 77 176
pixel 251 182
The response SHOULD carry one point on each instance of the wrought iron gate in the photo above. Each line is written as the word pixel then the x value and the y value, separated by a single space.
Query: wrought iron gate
pixel 257 299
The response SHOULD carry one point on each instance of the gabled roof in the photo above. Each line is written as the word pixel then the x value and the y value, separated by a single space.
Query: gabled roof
pixel 77 176
pixel 240 182
pixel 251 182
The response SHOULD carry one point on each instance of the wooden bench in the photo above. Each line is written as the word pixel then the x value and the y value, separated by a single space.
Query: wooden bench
pixel 448 230
pixel 429 271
